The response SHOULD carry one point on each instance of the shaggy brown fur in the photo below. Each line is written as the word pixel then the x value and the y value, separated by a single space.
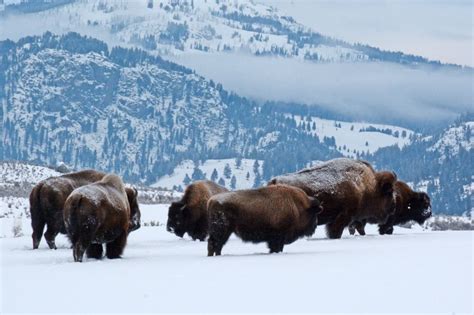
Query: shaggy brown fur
pixel 277 215
pixel 95 214
pixel 189 215
pixel 47 200
pixel 135 214
pixel 410 206
pixel 348 190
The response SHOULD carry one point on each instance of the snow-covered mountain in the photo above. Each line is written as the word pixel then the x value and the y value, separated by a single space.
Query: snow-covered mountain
pixel 67 98
pixel 174 27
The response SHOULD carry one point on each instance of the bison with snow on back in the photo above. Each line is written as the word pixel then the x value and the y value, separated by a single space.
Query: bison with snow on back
pixel 277 215
pixel 410 206
pixel 99 213
pixel 189 215
pixel 349 190
pixel 47 200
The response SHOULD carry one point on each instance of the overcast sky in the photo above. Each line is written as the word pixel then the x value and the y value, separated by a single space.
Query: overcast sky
pixel 437 29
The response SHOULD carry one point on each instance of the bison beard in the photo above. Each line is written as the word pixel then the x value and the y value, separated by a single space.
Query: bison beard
pixel 47 200
pixel 277 215
pixel 95 214
pixel 189 215
pixel 349 191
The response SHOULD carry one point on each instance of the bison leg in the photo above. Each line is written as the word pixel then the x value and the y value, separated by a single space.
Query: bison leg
pixel 50 236
pixel 78 251
pixel 95 251
pixel 115 248
pixel 334 229
pixel 37 223
pixel 360 227
pixel 385 229
pixel 276 246
pixel 352 229
pixel 220 230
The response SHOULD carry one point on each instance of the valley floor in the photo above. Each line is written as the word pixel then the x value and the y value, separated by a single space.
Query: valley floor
pixel 411 271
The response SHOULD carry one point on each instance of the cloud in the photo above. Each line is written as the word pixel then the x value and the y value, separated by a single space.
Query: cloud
pixel 383 92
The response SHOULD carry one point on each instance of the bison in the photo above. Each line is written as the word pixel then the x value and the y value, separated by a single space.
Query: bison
pixel 98 213
pixel 47 200
pixel 277 215
pixel 410 206
pixel 189 215
pixel 349 190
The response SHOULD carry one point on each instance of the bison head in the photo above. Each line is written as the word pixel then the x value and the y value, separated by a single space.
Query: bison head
pixel 135 213
pixel 176 218
pixel 419 207
pixel 385 187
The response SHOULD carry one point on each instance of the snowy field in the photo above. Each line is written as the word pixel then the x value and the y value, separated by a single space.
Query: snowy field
pixel 411 271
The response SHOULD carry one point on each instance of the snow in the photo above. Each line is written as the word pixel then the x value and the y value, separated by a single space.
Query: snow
pixel 350 136
pixel 16 172
pixel 187 167
pixel 410 271
pixel 456 137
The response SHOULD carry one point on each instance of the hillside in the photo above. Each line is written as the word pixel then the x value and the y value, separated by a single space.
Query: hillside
pixel 175 27
pixel 68 98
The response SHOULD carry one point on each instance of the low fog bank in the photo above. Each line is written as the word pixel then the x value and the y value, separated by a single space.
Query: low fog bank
pixel 436 29
pixel 375 91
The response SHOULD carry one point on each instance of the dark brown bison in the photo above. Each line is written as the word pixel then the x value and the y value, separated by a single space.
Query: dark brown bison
pixel 349 190
pixel 95 214
pixel 47 200
pixel 277 215
pixel 410 206
pixel 189 215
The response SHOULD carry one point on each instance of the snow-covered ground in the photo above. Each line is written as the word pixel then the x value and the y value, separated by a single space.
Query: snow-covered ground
pixel 187 167
pixel 357 137
pixel 411 271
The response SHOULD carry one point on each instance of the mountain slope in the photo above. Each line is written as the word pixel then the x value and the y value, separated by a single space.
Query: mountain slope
pixel 209 26
pixel 67 98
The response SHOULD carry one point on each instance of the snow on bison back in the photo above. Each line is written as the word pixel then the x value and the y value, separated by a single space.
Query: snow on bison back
pixel 349 190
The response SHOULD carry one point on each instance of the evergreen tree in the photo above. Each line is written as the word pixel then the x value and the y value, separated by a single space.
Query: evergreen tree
pixel 238 162
pixel 214 175
pixel 186 179
pixel 227 171
pixel 233 182
pixel 221 182
pixel 256 167
pixel 197 174
pixel 247 176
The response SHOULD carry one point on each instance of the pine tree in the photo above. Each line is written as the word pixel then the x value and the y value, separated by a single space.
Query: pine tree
pixel 221 182
pixel 227 171
pixel 256 166
pixel 197 174
pixel 233 182
pixel 186 179
pixel 214 175
pixel 238 162
pixel 247 176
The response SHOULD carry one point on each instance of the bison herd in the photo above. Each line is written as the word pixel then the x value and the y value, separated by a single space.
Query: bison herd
pixel 95 208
